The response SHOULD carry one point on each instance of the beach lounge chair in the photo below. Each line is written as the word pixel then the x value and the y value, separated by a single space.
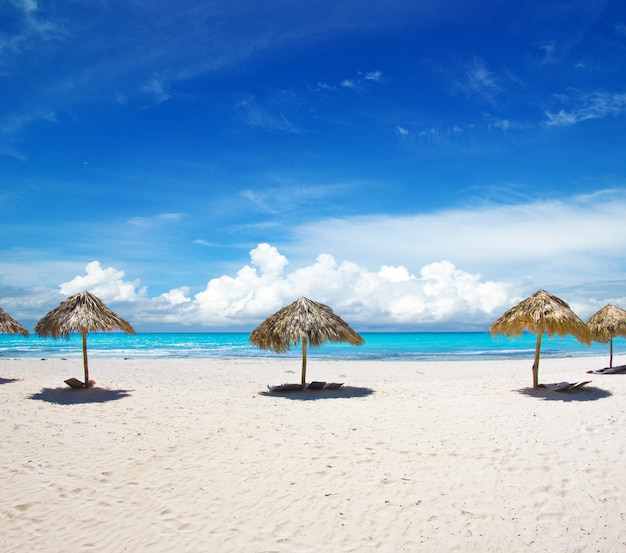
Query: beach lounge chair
pixel 285 387
pixel 564 386
pixel 609 370
pixel 316 385
pixel 333 385
pixel 580 384
pixel 74 383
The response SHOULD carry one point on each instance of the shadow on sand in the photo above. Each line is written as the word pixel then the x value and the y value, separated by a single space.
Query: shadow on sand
pixel 71 396
pixel 8 380
pixel 309 395
pixel 587 393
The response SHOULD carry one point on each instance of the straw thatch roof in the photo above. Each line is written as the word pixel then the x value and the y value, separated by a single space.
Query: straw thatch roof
pixel 82 313
pixel 607 323
pixel 8 325
pixel 305 321
pixel 541 313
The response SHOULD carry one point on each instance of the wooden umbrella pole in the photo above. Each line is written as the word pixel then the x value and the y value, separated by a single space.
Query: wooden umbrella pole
pixel 611 354
pixel 536 363
pixel 85 359
pixel 303 362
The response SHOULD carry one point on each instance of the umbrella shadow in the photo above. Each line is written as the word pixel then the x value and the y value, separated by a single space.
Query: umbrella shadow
pixel 71 396
pixel 8 380
pixel 588 393
pixel 310 395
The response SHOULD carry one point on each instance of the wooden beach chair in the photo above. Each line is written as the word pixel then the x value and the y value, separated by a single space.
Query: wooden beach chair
pixel 284 387
pixel 74 383
pixel 609 370
pixel 564 386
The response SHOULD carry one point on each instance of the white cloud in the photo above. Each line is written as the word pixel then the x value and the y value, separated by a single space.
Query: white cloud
pixel 177 296
pixel 585 106
pixel 108 284
pixel 478 80
pixel 255 115
pixel 390 296
pixel 147 222
pixel 156 89
pixel 455 269
pixel 567 242
pixel 548 49
pixel 268 260
pixel 357 83
pixel 373 76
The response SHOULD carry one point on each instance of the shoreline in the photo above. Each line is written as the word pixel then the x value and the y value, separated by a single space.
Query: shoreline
pixel 194 455
pixel 406 346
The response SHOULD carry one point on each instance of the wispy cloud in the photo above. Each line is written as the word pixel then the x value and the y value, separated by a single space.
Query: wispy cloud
pixel 254 115
pixel 373 76
pixel 585 106
pixel 156 89
pixel 289 196
pixel 402 131
pixel 548 52
pixel 260 200
pixel 478 80
pixel 435 136
pixel 357 83
pixel 157 220
pixel 15 123
pixel 30 25
pixel 500 241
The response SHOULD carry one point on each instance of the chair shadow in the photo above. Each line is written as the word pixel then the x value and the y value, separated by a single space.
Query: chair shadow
pixel 8 380
pixel 311 395
pixel 72 396
pixel 587 393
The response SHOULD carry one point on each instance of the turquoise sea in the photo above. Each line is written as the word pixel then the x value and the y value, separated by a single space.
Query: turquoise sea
pixel 402 346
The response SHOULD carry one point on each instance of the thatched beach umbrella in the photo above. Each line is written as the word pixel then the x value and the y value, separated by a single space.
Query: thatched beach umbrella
pixel 606 324
pixel 82 313
pixel 541 313
pixel 8 325
pixel 303 321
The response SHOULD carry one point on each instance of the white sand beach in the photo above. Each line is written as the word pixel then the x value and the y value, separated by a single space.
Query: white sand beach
pixel 193 456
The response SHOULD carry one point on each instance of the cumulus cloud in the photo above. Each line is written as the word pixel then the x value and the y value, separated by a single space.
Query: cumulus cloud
pixel 388 297
pixel 108 284
pixel 177 296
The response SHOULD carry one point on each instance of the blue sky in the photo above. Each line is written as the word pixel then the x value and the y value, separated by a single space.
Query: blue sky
pixel 415 165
